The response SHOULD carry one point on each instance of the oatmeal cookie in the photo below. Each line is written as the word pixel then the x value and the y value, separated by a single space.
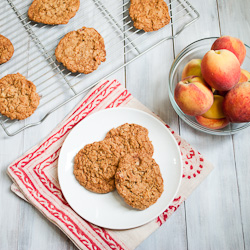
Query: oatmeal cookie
pixel 6 49
pixel 81 51
pixel 18 97
pixel 95 165
pixel 53 12
pixel 149 15
pixel 138 180
pixel 135 136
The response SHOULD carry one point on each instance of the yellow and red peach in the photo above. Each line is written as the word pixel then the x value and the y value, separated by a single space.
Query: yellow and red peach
pixel 193 96
pixel 212 123
pixel 196 79
pixel 220 69
pixel 246 73
pixel 216 111
pixel 232 44
pixel 236 105
pixel 192 68
pixel 243 76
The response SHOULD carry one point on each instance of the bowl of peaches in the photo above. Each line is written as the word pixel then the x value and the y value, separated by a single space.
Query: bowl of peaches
pixel 209 85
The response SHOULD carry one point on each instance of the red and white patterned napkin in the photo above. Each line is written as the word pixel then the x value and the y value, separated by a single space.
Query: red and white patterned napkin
pixel 35 176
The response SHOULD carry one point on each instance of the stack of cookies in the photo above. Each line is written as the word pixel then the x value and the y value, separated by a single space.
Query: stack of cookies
pixel 122 161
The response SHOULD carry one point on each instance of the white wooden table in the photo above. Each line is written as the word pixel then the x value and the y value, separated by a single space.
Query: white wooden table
pixel 216 216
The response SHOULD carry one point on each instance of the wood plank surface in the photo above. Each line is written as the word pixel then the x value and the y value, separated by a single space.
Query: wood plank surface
pixel 213 210
pixel 235 21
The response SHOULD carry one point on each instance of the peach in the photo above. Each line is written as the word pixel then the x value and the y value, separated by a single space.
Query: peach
pixel 232 44
pixel 220 69
pixel 246 73
pixel 192 68
pixel 215 112
pixel 212 123
pixel 236 105
pixel 193 96
pixel 243 76
pixel 196 79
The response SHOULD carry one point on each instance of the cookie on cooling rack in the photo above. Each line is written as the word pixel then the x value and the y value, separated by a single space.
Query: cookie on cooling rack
pixel 149 15
pixel 138 180
pixel 6 49
pixel 135 137
pixel 53 12
pixel 81 51
pixel 18 97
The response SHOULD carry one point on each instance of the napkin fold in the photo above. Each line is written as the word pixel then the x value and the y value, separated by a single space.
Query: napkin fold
pixel 34 176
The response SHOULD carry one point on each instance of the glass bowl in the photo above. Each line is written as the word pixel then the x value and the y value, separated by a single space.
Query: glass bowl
pixel 197 50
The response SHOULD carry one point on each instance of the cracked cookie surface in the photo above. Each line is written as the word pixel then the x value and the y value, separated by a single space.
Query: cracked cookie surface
pixel 6 49
pixel 138 180
pixel 53 12
pixel 95 165
pixel 18 97
pixel 81 51
pixel 135 136
pixel 149 15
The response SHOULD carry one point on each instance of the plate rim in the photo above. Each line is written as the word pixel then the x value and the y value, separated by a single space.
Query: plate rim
pixel 59 170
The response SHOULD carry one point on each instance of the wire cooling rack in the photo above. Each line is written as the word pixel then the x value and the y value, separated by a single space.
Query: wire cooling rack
pixel 35 46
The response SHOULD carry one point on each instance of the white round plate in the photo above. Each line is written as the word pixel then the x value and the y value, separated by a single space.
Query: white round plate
pixel 109 210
